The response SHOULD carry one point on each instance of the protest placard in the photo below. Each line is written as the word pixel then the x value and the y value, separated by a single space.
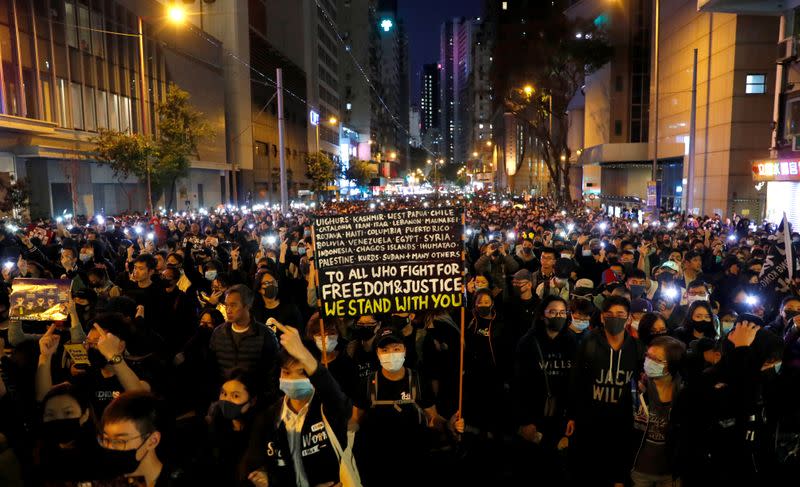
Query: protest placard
pixel 39 299
pixel 389 261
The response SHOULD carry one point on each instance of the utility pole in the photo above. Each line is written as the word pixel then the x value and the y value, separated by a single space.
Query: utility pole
pixel 654 175
pixel 689 190
pixel 281 148
pixel 143 103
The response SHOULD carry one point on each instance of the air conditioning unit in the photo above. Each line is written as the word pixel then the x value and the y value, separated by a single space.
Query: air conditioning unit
pixel 787 50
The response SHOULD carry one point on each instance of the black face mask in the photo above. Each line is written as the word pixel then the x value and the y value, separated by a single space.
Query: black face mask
pixel 230 410
pixel 790 315
pixel 271 291
pixel 704 327
pixel 61 430
pixel 363 333
pixel 399 322
pixel 117 463
pixel 96 359
pixel 483 311
pixel 555 324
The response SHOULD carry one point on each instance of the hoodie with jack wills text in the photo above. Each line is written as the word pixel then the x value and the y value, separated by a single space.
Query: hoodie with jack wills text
pixel 601 379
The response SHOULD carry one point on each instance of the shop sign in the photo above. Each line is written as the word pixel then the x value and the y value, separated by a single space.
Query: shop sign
pixel 775 170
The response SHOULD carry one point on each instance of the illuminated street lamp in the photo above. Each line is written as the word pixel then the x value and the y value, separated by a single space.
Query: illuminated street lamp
pixel 488 143
pixel 176 14
pixel 333 120
pixel 475 154
pixel 393 155
pixel 528 89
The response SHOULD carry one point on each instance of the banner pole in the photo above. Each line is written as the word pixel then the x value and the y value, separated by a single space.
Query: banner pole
pixel 463 312
pixel 319 301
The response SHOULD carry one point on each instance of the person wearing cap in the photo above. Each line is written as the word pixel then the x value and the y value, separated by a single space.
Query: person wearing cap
pixel 496 262
pixel 521 308
pixel 542 363
pixel 395 409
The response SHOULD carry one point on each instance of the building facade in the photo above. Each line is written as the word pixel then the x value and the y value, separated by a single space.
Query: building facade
pixel 72 68
pixel 430 106
pixel 776 177
pixel 455 75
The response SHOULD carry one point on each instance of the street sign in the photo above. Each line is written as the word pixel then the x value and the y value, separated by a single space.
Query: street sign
pixel 313 117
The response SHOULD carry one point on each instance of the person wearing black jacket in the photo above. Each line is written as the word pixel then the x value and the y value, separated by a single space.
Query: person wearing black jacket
pixel 542 364
pixel 270 304
pixel 789 315
pixel 521 308
pixel 660 433
pixel 699 323
pixel 304 433
pixel 599 411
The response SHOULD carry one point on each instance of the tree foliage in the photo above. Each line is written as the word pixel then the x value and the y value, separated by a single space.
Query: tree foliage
pixel 360 172
pixel 167 154
pixel 16 196
pixel 565 52
pixel 320 169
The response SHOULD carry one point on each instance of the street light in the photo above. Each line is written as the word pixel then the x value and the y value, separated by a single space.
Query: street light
pixel 528 89
pixel 393 155
pixel 475 154
pixel 333 120
pixel 176 14
pixel 488 143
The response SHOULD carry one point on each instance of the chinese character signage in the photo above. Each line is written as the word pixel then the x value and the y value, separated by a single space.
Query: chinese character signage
pixel 775 170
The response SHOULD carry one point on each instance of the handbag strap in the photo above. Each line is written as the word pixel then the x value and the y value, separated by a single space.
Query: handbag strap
pixel 337 447
pixel 544 372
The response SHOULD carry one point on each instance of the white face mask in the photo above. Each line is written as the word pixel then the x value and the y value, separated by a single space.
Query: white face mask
pixel 392 362
pixel 692 299
pixel 330 342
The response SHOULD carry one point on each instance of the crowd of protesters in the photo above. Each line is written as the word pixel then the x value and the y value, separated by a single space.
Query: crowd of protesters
pixel 598 350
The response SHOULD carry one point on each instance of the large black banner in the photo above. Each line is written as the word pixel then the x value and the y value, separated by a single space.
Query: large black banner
pixel 389 261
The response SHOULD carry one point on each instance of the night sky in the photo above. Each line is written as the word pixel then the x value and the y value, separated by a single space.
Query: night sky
pixel 423 19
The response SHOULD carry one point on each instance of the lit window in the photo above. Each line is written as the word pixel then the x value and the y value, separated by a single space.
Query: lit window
pixel 756 84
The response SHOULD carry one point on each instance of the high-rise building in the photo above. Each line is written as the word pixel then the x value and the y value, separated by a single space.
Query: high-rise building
pixel 251 61
pixel 456 61
pixel 414 127
pixel 778 175
pixel 69 69
pixel 429 98
pixel 395 88
pixel 479 111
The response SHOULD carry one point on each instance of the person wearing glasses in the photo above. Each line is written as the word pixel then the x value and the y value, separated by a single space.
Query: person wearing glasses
pixel 607 364
pixel 130 432
pixel 542 366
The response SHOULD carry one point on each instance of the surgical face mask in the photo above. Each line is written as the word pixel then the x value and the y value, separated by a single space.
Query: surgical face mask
pixel 86 257
pixel 301 251
pixel 330 343
pixel 392 362
pixel 297 389
pixel 481 286
pixel 580 325
pixel 211 275
pixel 653 369
pixel 294 249
pixel 586 252
pixel 566 256
pixel 615 326
pixel 692 299
pixel 727 326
